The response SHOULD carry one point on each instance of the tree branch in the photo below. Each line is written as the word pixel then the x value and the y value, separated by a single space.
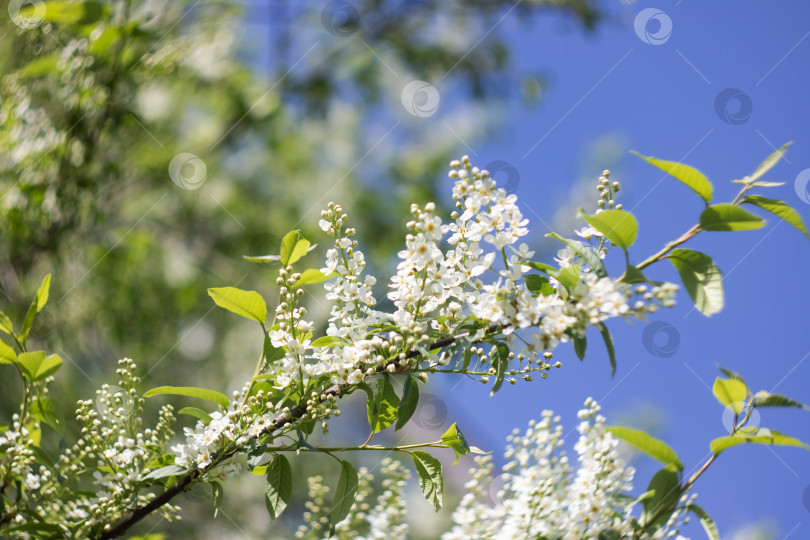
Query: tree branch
pixel 296 413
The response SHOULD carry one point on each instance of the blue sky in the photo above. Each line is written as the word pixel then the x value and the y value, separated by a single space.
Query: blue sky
pixel 659 99
pixel 661 93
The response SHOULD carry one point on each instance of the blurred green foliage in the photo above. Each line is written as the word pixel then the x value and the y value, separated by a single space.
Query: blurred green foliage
pixel 99 97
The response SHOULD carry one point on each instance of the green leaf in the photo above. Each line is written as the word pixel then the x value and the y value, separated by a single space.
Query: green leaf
pixel 499 359
pixel 618 226
pixel 408 403
pixel 730 374
pixel 538 284
pixel 648 444
pixel 5 324
pixel 293 247
pixel 271 354
pixel 453 438
pixel 217 493
pixel 47 411
pixel 278 487
pixel 686 174
pixel 728 217
pixel 584 251
pixel 763 436
pixel 7 354
pixel 633 275
pixel 766 399
pixel 196 413
pixel 191 391
pixel 163 472
pixel 705 520
pixel 569 277
pixel 768 164
pixel 329 341
pixel 609 344
pixel 36 306
pixel 780 209
pixel 37 366
pixel 665 483
pixel 429 471
pixel 580 344
pixel 731 393
pixel 248 304
pixel 701 279
pixel 382 406
pixel 313 275
pixel 344 494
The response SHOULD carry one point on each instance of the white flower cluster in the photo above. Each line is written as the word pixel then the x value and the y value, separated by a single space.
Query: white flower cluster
pixel 236 427
pixel 383 521
pixel 441 279
pixel 539 495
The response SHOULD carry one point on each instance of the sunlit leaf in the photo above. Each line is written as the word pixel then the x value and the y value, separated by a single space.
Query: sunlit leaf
pixel 701 279
pixel 731 393
pixel 248 304
pixel 762 436
pixel 293 247
pixel 728 217
pixel 686 174
pixel 780 209
pixel 618 226
pixel 37 365
pixel 190 391
pixel 453 438
pixel 648 444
